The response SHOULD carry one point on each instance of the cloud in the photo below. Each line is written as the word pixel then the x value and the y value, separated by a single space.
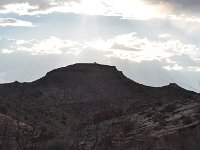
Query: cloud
pixel 39 5
pixel 52 45
pixel 185 60
pixel 179 10
pixel 33 7
pixel 7 51
pixel 194 69
pixel 164 36
pixel 147 49
pixel 129 9
pixel 176 67
pixel 4 22
pixel 174 54
pixel 126 10
pixel 179 5
pixel 129 45
pixel 123 47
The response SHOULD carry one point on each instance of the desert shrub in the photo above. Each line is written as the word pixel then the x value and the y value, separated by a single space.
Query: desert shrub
pixel 159 103
pixel 3 109
pixel 106 114
pixel 159 117
pixel 186 120
pixel 128 126
pixel 175 122
pixel 64 117
pixel 163 123
pixel 63 122
pixel 8 105
pixel 25 118
pixel 198 109
pixel 56 145
pixel 169 108
pixel 135 107
pixel 150 114
pixel 105 142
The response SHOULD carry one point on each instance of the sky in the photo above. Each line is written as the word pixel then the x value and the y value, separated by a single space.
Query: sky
pixel 154 42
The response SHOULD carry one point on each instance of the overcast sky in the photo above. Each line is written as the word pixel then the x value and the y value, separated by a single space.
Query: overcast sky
pixel 153 42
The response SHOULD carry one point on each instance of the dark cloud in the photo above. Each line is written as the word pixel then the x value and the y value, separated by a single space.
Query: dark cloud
pixel 8 20
pixel 14 22
pixel 179 6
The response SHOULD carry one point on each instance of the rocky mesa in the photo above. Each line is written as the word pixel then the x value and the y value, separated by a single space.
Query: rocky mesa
pixel 94 106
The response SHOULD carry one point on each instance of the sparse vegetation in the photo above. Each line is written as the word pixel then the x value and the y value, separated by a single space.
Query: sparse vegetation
pixel 163 123
pixel 57 145
pixel 3 109
pixel 103 110
pixel 169 108
pixel 186 120
pixel 159 117
pixel 128 126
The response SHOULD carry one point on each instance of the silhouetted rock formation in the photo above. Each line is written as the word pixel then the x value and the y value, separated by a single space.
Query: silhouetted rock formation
pixel 79 97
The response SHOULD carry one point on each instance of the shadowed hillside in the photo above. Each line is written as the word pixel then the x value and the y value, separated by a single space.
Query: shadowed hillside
pixel 93 106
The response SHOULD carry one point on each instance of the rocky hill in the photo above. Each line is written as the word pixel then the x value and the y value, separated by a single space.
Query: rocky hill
pixel 93 106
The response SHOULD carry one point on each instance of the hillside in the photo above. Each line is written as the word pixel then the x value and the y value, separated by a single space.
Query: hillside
pixel 93 106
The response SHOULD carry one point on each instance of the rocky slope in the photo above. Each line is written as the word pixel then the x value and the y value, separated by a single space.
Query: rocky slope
pixel 93 106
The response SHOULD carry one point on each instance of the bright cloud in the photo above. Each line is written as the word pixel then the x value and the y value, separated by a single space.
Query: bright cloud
pixel 194 69
pixel 176 67
pixel 164 36
pixel 128 9
pixel 34 7
pixel 7 51
pixel 126 47
pixel 52 45
pixel 145 49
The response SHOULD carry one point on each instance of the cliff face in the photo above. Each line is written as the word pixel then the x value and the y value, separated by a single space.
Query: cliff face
pixel 78 97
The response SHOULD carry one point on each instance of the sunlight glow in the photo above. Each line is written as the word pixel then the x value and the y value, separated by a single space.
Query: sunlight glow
pixel 136 9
